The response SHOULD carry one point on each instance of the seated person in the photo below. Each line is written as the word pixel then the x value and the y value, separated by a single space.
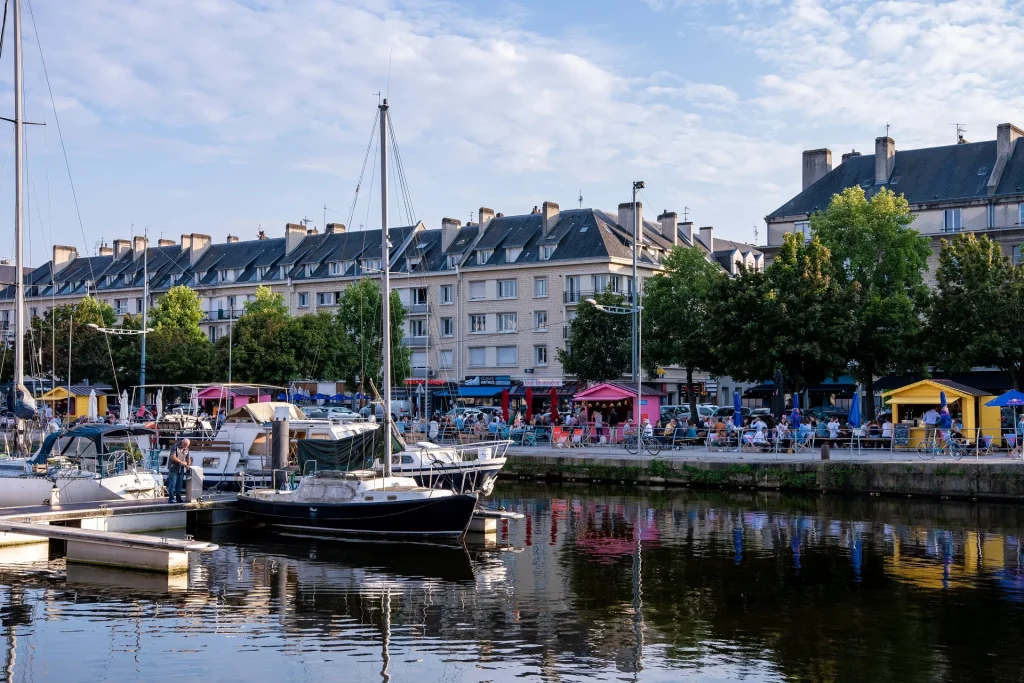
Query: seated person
pixel 887 429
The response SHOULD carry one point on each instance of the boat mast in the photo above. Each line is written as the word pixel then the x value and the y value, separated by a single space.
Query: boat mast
pixel 145 318
pixel 19 256
pixel 385 284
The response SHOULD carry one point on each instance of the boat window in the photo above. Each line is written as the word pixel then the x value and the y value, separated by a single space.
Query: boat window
pixel 407 459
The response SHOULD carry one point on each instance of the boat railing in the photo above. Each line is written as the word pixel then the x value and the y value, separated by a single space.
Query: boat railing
pixel 475 451
pixel 306 470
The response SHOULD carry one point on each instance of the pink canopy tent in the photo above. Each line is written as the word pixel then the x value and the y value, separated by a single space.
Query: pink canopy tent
pixel 622 396
pixel 239 396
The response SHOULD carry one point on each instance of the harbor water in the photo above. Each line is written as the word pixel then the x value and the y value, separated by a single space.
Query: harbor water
pixel 595 584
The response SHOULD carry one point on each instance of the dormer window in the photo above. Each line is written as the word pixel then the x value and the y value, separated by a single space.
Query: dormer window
pixel 512 254
pixel 284 272
pixel 546 251
pixel 335 267
pixel 224 275
pixel 110 280
pixel 414 263
pixel 262 271
pixel 453 261
pixel 483 256
pixel 372 264
pixel 310 267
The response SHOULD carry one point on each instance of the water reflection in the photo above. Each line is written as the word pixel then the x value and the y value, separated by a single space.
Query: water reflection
pixel 608 585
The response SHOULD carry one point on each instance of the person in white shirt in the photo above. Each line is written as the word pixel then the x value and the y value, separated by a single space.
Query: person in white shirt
pixel 648 429
pixel 432 429
pixel 930 418
pixel 887 428
pixel 833 431
pixel 759 427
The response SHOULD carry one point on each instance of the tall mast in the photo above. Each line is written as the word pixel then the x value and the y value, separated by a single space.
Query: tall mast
pixel 19 256
pixel 145 317
pixel 385 284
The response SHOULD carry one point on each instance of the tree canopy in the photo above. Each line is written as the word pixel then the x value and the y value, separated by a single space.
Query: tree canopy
pixel 360 313
pixel 262 352
pixel 92 352
pixel 600 344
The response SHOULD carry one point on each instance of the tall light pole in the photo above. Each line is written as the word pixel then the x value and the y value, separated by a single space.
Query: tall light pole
pixel 637 231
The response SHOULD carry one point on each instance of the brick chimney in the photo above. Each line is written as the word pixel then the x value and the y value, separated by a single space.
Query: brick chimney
pixel 312 231
pixel 687 229
pixel 449 229
pixel 231 239
pixel 485 216
pixel 121 247
pixel 197 245
pixel 817 162
pixel 293 234
pixel 707 236
pixel 261 235
pixel 550 213
pixel 139 245
pixel 849 155
pixel 1006 138
pixel 669 220
pixel 625 218
pixel 106 250
pixel 885 159
pixel 334 228
pixel 62 256
pixel 165 243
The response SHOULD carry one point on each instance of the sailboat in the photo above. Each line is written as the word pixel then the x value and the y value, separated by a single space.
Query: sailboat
pixel 60 463
pixel 363 502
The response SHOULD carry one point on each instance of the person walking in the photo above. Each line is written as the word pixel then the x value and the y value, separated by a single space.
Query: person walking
pixel 929 419
pixel 613 425
pixel 176 464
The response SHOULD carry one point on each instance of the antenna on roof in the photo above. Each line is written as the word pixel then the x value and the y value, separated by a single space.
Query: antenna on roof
pixel 581 199
pixel 886 130
pixel 961 128
pixel 755 234
pixel 686 214
pixel 471 214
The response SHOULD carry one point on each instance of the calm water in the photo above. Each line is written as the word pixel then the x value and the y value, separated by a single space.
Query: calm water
pixel 595 584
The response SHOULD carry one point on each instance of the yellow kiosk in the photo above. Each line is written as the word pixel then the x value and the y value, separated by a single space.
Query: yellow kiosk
pixel 910 402
pixel 79 402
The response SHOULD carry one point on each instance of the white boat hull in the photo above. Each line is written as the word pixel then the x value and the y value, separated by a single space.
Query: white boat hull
pixel 76 487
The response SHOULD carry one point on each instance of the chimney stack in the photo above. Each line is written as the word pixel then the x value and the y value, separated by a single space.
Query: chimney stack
pixel 536 209
pixel 550 213
pixel 626 217
pixel 1006 138
pixel 197 243
pixel 669 220
pixel 484 216
pixel 261 235
pixel 849 155
pixel 817 162
pixel 62 256
pixel 231 239
pixel 687 228
pixel 139 245
pixel 106 250
pixel 449 230
pixel 334 228
pixel 312 231
pixel 885 159
pixel 707 236
pixel 165 243
pixel 121 247
pixel 293 234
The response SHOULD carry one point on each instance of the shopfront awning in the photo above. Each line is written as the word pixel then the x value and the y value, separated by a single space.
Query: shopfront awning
pixel 473 392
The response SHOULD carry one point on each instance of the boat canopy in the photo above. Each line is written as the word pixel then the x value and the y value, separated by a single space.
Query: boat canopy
pixel 96 433
pixel 263 412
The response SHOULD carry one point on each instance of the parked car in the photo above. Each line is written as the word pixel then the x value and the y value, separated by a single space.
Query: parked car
pixel 340 413
pixel 727 411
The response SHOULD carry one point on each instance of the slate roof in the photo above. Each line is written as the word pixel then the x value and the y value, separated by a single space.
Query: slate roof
pixel 929 175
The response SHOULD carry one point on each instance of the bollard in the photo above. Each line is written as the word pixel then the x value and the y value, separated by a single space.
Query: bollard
pixel 279 450
pixel 54 496
pixel 825 451
pixel 194 484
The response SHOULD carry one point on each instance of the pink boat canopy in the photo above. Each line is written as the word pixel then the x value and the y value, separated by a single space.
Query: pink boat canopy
pixel 239 395
pixel 620 397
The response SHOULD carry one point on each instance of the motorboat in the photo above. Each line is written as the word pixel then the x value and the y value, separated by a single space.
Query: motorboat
pixel 464 468
pixel 238 454
pixel 92 462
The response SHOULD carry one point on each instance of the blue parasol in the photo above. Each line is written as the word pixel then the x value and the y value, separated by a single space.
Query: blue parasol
pixel 737 415
pixel 282 396
pixel 854 418
pixel 795 416
pixel 942 399
pixel 1010 398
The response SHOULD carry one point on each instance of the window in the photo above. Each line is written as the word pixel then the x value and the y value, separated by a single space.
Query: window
pixel 508 356
pixel 213 333
pixel 951 220
pixel 418 328
pixel 371 264
pixel 483 256
pixel 572 289
pixel 477 356
pixel 991 215
pixel 540 355
pixel 223 275
pixel 324 299
pixel 507 322
pixel 138 305
pixel 335 267
pixel 310 267
pixel 478 323
pixel 477 290
pixel 447 327
pixel 512 254
pixel 1016 255
pixel 418 296
pixel 444 359
pixel 546 251
pixel 303 299
pixel 540 321
pixel 346 266
pixel 414 263
pixel 262 271
pixel 1020 218
pixel 540 286
pixel 803 228
pixel 453 261
pixel 600 283
pixel 446 294
pixel 507 289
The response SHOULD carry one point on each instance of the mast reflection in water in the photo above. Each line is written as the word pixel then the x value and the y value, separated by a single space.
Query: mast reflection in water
pixel 595 584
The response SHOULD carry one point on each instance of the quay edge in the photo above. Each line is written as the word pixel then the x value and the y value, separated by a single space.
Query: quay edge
pixel 955 480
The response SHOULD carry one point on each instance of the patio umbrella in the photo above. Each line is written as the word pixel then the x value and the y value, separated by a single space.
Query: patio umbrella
pixel 282 396
pixel 795 417
pixel 504 404
pixel 942 399
pixel 854 418
pixel 529 403
pixel 124 407
pixel 94 410
pixel 778 396
pixel 554 406
pixel 338 397
pixel 1011 398
pixel 159 402
pixel 194 400
pixel 737 409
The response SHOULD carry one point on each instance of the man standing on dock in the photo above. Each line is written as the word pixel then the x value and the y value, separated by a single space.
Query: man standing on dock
pixel 176 465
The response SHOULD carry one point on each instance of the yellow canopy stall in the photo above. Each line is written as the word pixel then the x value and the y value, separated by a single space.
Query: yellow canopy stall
pixel 80 399
pixel 913 400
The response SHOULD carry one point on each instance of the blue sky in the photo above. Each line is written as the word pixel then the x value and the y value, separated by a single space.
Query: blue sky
pixel 221 116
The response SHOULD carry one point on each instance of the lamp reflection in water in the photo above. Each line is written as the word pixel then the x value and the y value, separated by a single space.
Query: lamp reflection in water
pixel 386 638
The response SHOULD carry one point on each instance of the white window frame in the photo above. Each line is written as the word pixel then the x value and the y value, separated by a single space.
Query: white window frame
pixel 1020 214
pixel 335 267
pixel 515 289
pixel 803 228
pixel 479 285
pixel 479 362
pixel 952 220
pixel 477 323
pixel 418 327
pixel 546 252
pixel 540 287
pixel 508 323
pixel 538 351
pixel 483 256
pixel 453 261
pixel 445 359
pixel 447 327
pixel 447 295
pixel 414 299
pixel 540 321
pixel 303 299
pixel 990 215
pixel 508 363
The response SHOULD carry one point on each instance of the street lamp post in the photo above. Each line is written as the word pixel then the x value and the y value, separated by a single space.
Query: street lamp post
pixel 121 332
pixel 637 231
pixel 635 312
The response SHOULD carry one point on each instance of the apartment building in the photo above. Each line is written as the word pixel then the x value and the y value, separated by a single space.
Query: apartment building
pixel 969 186
pixel 492 298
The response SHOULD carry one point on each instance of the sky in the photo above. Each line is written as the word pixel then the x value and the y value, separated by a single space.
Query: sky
pixel 233 116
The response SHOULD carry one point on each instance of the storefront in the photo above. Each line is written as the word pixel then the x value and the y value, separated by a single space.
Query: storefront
pixel 966 405
pixel 79 403
pixel 620 398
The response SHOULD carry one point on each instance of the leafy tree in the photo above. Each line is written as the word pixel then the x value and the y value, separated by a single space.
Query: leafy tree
pixel 262 350
pixel 321 347
pixel 879 260
pixel 180 308
pixel 792 317
pixel 676 321
pixel 91 357
pixel 974 313
pixel 600 344
pixel 360 315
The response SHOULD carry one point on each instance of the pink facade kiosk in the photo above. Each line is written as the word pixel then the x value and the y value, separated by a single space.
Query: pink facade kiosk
pixel 620 397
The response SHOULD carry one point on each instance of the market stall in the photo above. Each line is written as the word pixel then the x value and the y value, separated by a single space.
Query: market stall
pixel 966 405
pixel 620 397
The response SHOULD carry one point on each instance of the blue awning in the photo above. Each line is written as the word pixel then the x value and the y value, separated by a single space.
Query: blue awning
pixel 480 392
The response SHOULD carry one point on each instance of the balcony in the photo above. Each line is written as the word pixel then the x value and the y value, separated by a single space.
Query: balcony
pixel 223 314
pixel 416 309
pixel 416 342
pixel 572 298
pixel 423 373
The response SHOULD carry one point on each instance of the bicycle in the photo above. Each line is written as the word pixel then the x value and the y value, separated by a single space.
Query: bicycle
pixel 648 443
pixel 932 446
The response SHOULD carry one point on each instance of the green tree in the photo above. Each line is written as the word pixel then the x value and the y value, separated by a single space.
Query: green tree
pixel 180 308
pixel 92 353
pixel 879 260
pixel 322 349
pixel 177 350
pixel 262 351
pixel 600 345
pixel 676 320
pixel 792 317
pixel 974 312
pixel 360 315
